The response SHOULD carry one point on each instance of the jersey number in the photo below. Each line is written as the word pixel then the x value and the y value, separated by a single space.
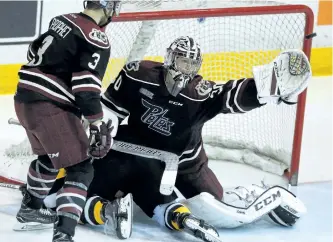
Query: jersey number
pixel 45 44
pixel 94 63
pixel 117 83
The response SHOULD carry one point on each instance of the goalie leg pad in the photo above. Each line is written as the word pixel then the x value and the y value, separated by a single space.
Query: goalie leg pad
pixel 289 211
pixel 223 215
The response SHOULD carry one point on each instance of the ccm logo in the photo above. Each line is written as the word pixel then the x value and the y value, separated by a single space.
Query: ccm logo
pixel 267 201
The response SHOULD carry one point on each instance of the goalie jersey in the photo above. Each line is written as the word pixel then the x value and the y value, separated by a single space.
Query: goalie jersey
pixel 159 120
pixel 66 66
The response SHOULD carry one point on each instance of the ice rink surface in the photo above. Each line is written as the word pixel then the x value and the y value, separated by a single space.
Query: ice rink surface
pixel 316 226
pixel 316 159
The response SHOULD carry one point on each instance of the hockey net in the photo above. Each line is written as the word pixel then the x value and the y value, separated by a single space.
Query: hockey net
pixel 233 39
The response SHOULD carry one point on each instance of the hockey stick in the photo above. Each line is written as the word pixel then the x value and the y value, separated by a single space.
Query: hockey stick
pixel 171 160
pixel 11 186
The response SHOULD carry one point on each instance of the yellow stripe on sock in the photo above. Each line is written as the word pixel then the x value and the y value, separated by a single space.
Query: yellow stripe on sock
pixel 61 173
pixel 97 212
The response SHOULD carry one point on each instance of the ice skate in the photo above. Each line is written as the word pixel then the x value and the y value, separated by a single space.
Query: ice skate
pixel 118 216
pixel 59 236
pixel 33 219
pixel 179 217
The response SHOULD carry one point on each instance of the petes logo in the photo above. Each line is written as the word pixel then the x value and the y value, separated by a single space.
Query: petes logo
pixel 204 87
pixel 155 118
pixel 98 36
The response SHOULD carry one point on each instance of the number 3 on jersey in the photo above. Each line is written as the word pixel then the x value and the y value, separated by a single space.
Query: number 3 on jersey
pixel 45 44
pixel 94 63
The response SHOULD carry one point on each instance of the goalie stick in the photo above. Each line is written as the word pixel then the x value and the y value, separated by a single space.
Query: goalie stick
pixel 170 159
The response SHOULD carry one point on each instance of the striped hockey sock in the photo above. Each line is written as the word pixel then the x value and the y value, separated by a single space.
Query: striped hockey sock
pixel 41 176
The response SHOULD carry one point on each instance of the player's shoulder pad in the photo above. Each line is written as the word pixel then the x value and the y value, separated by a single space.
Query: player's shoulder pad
pixel 88 30
pixel 146 72
pixel 198 89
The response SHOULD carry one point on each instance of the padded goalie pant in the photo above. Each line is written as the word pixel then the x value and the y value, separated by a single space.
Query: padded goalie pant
pixel 142 177
pixel 120 172
pixel 194 177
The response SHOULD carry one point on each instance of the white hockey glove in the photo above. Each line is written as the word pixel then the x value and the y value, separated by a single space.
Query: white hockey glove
pixel 284 78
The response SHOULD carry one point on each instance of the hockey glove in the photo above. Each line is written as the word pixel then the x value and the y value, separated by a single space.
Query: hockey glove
pixel 284 78
pixel 100 139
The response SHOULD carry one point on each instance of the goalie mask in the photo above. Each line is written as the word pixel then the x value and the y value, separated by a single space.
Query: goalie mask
pixel 110 8
pixel 182 62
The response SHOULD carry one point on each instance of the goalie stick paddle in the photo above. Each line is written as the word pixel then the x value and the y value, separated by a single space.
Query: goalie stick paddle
pixel 171 160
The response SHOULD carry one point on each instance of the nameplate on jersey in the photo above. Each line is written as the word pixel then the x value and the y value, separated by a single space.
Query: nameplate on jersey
pixel 61 28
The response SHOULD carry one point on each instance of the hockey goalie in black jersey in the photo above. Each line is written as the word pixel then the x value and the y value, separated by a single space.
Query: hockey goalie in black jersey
pixel 166 105
pixel 60 83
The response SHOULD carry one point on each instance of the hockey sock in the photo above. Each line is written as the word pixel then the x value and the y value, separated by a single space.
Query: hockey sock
pixel 93 211
pixel 72 197
pixel 41 176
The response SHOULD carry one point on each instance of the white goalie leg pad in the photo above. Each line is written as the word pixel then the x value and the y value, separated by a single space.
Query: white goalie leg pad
pixel 289 211
pixel 223 215
pixel 284 78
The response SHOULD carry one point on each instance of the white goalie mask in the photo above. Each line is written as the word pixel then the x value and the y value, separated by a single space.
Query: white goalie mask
pixel 182 62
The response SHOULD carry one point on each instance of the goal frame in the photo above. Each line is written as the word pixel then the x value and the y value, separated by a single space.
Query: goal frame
pixel 292 174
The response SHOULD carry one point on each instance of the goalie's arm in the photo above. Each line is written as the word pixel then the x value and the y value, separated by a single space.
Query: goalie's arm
pixel 281 80
pixel 235 96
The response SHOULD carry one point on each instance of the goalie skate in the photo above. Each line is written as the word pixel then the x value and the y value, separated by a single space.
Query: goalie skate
pixel 201 229
pixel 119 216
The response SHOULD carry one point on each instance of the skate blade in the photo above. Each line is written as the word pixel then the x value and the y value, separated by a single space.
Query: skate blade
pixel 125 224
pixel 31 226
pixel 211 236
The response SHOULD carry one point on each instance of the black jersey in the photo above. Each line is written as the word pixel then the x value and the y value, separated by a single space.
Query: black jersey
pixel 162 121
pixel 66 65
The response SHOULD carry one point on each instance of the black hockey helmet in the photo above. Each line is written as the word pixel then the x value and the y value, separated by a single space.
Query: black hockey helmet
pixel 111 8
pixel 183 61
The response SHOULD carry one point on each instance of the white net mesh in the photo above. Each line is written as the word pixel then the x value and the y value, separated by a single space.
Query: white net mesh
pixel 231 45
